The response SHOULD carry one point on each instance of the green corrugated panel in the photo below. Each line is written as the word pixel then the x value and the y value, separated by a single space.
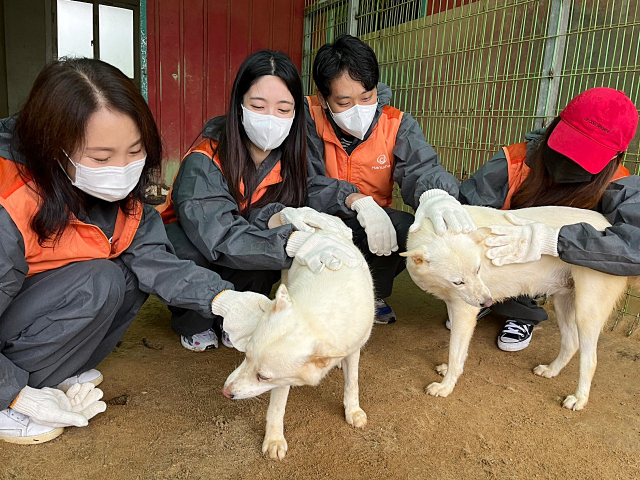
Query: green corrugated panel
pixel 472 75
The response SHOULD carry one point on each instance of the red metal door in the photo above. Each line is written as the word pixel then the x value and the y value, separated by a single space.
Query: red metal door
pixel 195 48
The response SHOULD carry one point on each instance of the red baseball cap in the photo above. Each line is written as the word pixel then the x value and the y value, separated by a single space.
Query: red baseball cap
pixel 594 127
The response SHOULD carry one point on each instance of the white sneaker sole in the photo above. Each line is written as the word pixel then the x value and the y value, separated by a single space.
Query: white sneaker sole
pixel 198 350
pixel 35 439
pixel 514 347
pixel 95 382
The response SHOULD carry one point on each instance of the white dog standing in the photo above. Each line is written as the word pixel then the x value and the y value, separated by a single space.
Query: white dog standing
pixel 454 268
pixel 316 322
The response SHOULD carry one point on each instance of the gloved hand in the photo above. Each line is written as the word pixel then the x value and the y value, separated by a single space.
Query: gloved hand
pixel 307 219
pixel 319 250
pixel 444 211
pixel 241 312
pixel 54 408
pixel 376 223
pixel 525 242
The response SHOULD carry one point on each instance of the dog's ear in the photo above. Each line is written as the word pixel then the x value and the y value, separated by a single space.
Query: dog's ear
pixel 479 234
pixel 283 300
pixel 417 255
pixel 322 355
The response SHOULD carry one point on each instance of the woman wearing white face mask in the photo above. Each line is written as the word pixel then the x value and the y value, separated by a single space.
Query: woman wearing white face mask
pixel 79 251
pixel 236 204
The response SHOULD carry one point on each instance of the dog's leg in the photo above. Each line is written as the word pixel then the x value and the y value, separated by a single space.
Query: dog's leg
pixel 596 295
pixel 463 321
pixel 274 441
pixel 352 412
pixel 564 305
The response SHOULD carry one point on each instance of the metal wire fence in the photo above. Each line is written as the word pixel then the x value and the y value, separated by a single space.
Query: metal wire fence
pixel 479 74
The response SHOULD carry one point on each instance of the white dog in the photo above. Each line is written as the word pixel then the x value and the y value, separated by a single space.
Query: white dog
pixel 454 268
pixel 321 320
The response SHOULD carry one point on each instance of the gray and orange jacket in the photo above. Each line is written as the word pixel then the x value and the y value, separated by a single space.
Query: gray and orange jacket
pixel 139 241
pixel 203 206
pixel 615 251
pixel 394 149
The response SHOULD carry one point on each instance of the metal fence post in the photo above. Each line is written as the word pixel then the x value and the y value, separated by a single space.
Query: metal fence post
pixel 352 22
pixel 553 61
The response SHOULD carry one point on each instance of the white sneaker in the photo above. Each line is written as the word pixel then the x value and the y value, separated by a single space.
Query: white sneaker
pixel 207 340
pixel 90 376
pixel 18 428
pixel 226 341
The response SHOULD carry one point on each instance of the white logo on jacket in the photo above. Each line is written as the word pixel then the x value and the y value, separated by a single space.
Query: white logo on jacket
pixel 382 159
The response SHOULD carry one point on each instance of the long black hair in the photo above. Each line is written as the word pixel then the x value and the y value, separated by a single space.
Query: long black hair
pixel 233 146
pixel 54 119
pixel 539 188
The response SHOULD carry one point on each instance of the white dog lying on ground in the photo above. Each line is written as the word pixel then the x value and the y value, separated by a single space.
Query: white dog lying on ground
pixel 316 322
pixel 454 268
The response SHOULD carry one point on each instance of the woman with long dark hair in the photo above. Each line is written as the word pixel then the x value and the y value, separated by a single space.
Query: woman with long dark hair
pixel 79 251
pixel 575 162
pixel 239 195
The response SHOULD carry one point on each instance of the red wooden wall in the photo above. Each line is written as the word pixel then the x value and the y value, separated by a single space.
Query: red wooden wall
pixel 194 50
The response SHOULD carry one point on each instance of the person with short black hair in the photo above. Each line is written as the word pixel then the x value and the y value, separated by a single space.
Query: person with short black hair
pixel 358 145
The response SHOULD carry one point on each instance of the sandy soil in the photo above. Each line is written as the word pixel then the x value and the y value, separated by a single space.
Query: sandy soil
pixel 168 420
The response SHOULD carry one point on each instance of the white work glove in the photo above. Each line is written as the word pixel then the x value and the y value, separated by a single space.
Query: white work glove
pixel 377 225
pixel 525 242
pixel 444 211
pixel 241 311
pixel 319 250
pixel 54 408
pixel 307 219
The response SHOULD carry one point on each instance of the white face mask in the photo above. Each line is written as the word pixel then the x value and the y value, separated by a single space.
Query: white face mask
pixel 107 183
pixel 356 120
pixel 265 131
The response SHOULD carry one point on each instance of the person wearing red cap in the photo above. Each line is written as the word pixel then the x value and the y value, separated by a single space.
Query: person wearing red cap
pixel 577 162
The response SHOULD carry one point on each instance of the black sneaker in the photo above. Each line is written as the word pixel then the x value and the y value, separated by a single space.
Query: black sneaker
pixel 482 313
pixel 384 313
pixel 515 336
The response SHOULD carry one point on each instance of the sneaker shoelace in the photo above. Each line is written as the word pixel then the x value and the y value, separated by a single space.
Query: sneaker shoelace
pixel 515 328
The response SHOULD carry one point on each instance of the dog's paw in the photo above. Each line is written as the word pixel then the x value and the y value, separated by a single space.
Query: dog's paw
pixel 575 402
pixel 357 418
pixel 442 369
pixel 276 447
pixel 544 371
pixel 437 389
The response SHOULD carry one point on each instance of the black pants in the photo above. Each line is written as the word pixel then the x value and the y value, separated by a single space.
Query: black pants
pixel 189 322
pixel 384 269
pixel 523 308
pixel 67 320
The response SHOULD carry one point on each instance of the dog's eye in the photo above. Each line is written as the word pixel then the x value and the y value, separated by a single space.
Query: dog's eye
pixel 261 377
pixel 458 283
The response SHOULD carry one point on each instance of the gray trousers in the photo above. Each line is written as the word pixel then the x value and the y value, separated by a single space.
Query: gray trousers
pixel 523 308
pixel 384 269
pixel 189 322
pixel 67 320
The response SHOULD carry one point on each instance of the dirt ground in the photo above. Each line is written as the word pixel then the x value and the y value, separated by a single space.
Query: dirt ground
pixel 501 421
